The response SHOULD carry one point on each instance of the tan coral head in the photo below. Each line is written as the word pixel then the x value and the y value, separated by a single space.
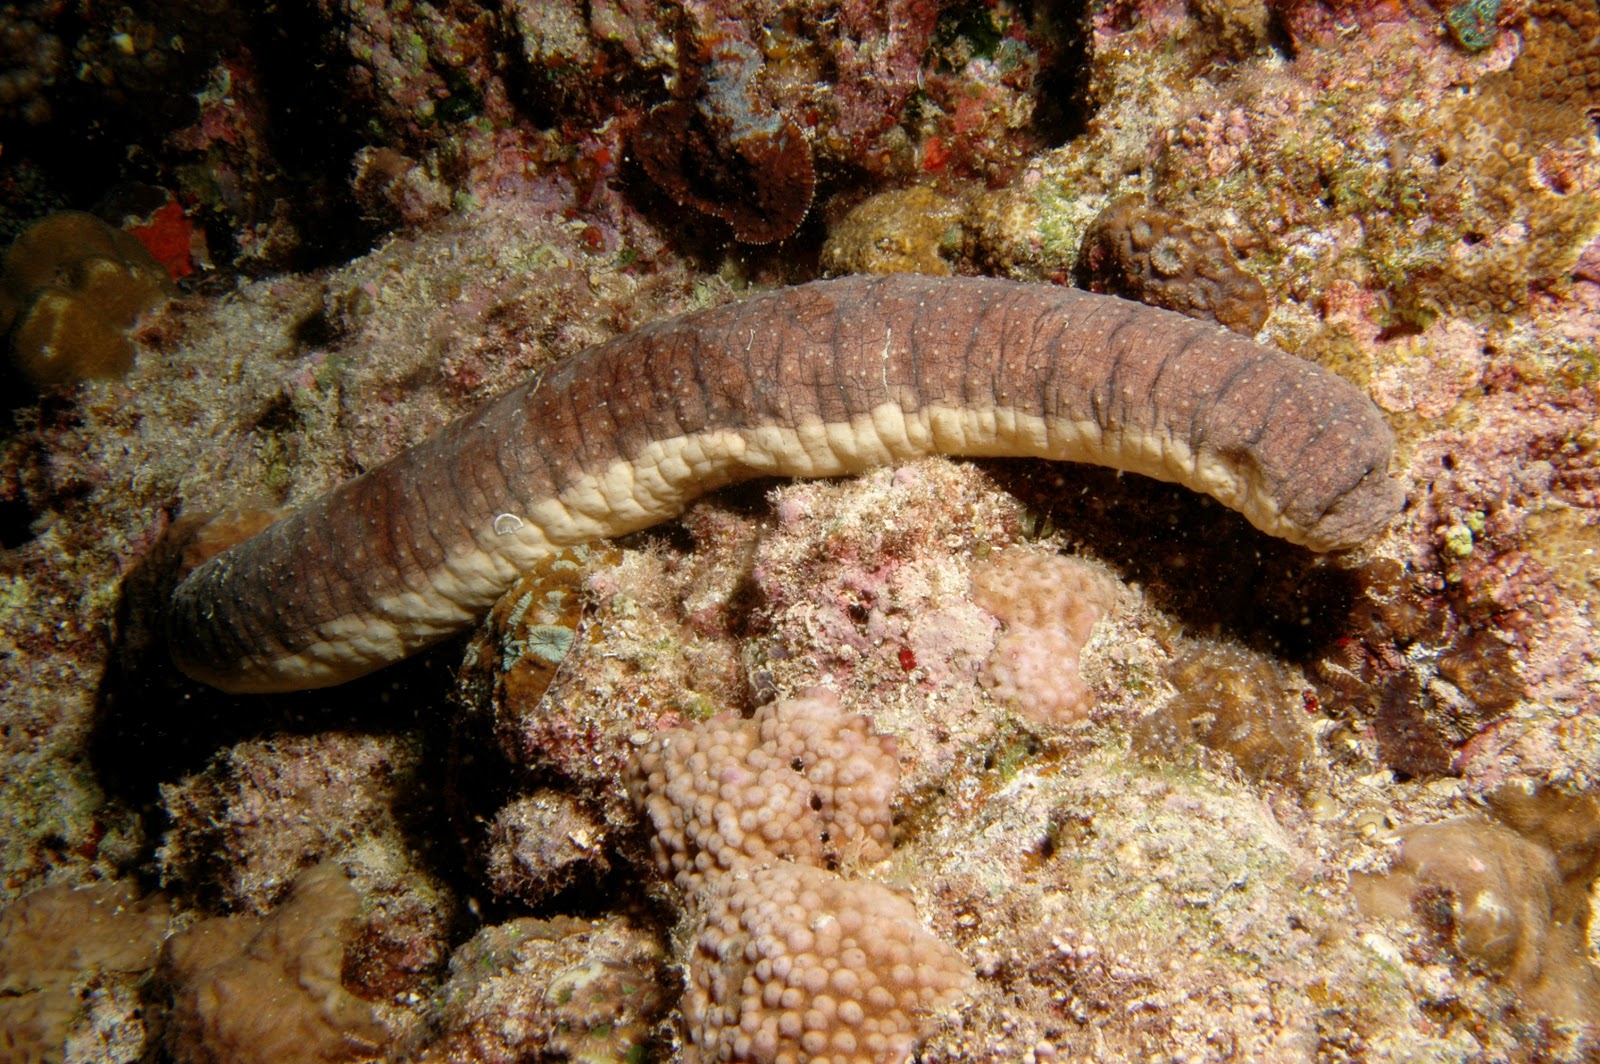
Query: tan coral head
pixel 71 288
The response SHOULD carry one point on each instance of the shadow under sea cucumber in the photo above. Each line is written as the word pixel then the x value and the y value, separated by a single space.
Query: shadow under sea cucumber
pixel 821 379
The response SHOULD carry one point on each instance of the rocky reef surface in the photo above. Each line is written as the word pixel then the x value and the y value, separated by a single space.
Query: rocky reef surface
pixel 989 760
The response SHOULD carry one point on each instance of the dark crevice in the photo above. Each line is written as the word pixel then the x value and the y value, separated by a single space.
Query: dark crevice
pixel 1196 559
pixel 1063 104
pixel 315 132
pixel 16 523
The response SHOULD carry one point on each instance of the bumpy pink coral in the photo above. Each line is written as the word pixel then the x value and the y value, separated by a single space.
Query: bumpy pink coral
pixel 794 964
pixel 801 780
pixel 1049 605
pixel 791 961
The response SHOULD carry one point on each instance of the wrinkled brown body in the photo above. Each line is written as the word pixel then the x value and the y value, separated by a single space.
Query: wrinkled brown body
pixel 408 546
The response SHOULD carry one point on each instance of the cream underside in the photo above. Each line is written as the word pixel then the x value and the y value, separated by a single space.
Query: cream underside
pixel 656 486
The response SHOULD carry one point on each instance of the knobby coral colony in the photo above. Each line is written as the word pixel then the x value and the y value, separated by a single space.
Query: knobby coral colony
pixel 821 379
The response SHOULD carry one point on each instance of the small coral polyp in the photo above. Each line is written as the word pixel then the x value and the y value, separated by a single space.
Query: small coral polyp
pixel 1235 701
pixel 1137 251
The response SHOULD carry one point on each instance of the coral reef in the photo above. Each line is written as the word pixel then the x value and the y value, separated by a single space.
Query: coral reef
pixel 1473 23
pixel 868 586
pixel 723 151
pixel 567 708
pixel 1049 606
pixel 32 58
pixel 1274 738
pixel 419 67
pixel 1072 915
pixel 71 287
pixel 519 651
pixel 1533 192
pixel 1497 898
pixel 542 844
pixel 244 831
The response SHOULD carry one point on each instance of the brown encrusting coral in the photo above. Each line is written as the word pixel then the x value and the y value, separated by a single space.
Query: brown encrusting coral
pixel 1512 898
pixel 257 989
pixel 904 230
pixel 1237 703
pixel 74 966
pixel 71 288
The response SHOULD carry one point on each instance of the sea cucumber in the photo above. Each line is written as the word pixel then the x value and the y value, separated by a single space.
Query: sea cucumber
pixel 821 379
